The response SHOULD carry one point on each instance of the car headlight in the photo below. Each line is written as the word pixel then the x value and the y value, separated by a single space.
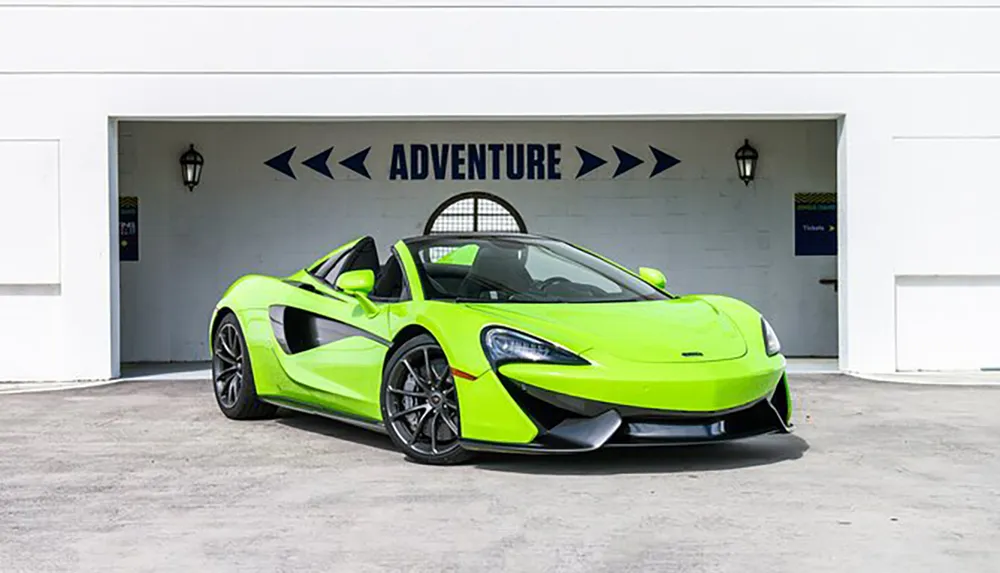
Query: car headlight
pixel 771 343
pixel 503 346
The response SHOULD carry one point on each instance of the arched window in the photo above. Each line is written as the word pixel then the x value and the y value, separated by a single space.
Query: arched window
pixel 473 212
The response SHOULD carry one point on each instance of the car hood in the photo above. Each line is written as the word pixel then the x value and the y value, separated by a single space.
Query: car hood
pixel 677 330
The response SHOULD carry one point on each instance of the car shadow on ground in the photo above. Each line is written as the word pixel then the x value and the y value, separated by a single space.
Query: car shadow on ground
pixel 334 429
pixel 751 452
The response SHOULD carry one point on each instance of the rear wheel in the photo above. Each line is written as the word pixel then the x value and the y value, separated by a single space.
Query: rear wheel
pixel 232 374
pixel 420 403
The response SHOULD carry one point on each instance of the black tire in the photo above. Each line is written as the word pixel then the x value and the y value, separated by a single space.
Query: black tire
pixel 232 374
pixel 420 405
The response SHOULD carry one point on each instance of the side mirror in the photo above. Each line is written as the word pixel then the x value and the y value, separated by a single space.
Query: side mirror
pixel 358 284
pixel 653 277
pixel 355 282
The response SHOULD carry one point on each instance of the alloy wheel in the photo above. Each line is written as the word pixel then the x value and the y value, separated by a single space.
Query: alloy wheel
pixel 422 406
pixel 227 365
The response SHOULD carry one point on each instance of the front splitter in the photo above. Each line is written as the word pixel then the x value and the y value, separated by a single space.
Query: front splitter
pixel 579 434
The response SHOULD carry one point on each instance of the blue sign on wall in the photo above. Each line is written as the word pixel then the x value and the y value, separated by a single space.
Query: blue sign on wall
pixel 815 224
pixel 128 228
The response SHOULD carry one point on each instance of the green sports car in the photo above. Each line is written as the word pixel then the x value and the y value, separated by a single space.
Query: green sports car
pixel 460 343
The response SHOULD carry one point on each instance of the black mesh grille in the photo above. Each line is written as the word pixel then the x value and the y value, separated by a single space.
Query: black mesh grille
pixel 475 212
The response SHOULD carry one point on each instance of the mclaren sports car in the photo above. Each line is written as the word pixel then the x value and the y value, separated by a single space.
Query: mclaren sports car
pixel 459 343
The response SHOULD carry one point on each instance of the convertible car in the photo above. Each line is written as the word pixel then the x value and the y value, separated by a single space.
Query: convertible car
pixel 497 342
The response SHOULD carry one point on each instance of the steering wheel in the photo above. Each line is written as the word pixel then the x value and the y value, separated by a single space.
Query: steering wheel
pixel 551 281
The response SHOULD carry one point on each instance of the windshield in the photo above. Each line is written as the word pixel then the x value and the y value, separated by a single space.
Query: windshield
pixel 516 269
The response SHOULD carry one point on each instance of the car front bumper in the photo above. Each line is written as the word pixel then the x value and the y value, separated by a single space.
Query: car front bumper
pixel 540 409
pixel 567 424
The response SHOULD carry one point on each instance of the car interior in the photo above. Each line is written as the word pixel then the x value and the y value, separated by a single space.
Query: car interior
pixel 390 285
pixel 494 272
pixel 501 272
pixel 486 272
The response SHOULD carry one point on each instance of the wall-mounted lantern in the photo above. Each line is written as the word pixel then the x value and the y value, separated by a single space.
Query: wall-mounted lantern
pixel 746 162
pixel 191 164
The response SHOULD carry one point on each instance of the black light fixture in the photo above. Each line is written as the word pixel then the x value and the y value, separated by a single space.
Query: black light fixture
pixel 746 162
pixel 191 163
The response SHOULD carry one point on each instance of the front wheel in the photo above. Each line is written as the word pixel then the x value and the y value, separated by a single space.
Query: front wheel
pixel 232 374
pixel 420 403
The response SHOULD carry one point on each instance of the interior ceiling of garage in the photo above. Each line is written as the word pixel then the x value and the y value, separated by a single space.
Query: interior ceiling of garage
pixel 275 196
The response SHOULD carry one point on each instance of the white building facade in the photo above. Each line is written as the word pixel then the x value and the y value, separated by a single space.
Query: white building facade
pixel 887 106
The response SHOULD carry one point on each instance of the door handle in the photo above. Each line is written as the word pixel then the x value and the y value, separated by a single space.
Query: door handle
pixel 829 282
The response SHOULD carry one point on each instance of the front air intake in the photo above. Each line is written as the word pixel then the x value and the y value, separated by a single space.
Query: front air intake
pixel 780 400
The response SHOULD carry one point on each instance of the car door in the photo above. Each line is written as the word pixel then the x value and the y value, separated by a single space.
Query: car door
pixel 331 346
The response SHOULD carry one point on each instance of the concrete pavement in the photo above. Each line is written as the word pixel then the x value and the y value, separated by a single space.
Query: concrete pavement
pixel 148 476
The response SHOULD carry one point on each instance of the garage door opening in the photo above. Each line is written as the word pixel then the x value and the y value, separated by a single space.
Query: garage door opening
pixel 274 196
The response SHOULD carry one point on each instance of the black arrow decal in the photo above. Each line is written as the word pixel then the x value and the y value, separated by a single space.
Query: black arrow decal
pixel 664 161
pixel 318 163
pixel 280 162
pixel 626 161
pixel 589 161
pixel 356 162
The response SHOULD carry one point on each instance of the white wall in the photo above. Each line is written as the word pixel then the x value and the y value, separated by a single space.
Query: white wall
pixel 696 221
pixel 947 322
pixel 914 70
